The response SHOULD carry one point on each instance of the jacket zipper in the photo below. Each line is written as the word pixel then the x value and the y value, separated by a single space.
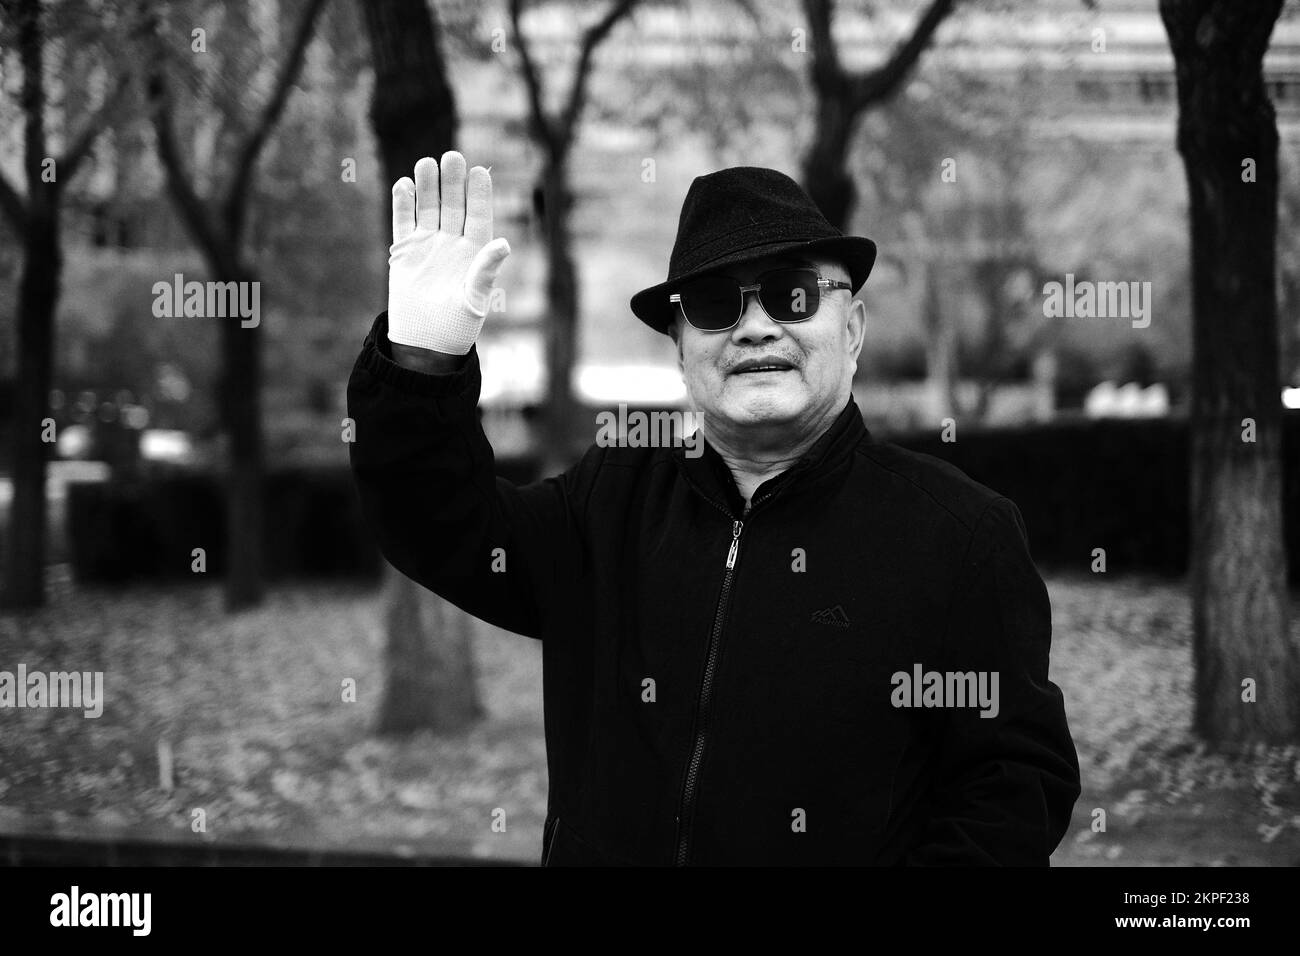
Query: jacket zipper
pixel 687 802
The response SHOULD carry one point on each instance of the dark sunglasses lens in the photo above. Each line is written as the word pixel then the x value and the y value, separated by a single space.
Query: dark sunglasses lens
pixel 790 295
pixel 711 303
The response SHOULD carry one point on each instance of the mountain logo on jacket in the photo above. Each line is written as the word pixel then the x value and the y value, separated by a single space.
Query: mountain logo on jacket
pixel 834 616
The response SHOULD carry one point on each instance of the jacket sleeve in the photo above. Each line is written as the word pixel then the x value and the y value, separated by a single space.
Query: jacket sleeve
pixel 427 480
pixel 1005 785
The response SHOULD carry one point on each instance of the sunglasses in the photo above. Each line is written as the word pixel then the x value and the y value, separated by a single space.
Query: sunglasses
pixel 716 303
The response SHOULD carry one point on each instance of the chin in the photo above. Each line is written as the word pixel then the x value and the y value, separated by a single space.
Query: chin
pixel 765 409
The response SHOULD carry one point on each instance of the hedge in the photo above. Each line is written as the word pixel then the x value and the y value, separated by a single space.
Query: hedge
pixel 146 529
pixel 1121 485
pixel 1118 484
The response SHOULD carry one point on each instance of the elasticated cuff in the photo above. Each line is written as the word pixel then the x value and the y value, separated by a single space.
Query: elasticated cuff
pixel 377 358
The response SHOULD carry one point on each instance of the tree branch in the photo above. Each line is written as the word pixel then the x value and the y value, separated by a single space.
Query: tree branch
pixel 540 122
pixel 827 74
pixel 590 40
pixel 880 83
pixel 12 204
pixel 31 45
pixel 187 200
pixel 236 195
pixel 94 125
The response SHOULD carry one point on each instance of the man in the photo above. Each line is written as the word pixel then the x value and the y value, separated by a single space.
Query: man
pixel 802 646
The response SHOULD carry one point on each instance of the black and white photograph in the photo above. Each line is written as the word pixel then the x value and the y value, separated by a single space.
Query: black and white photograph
pixel 509 434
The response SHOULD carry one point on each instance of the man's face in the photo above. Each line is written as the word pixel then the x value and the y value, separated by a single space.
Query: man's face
pixel 817 357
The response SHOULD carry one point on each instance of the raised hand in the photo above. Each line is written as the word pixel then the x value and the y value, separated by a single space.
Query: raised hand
pixel 443 260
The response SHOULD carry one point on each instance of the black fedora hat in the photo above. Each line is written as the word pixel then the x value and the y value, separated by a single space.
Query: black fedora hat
pixel 743 213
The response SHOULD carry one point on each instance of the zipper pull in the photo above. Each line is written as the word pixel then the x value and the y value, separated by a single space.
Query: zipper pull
pixel 735 543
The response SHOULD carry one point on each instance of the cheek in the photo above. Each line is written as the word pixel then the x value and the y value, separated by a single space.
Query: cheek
pixel 699 358
pixel 828 359
pixel 698 369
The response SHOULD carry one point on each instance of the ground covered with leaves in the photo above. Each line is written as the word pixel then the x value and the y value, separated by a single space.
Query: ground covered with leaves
pixel 261 741
pixel 1121 653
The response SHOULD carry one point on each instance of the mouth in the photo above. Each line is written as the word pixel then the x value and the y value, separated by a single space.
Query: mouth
pixel 762 366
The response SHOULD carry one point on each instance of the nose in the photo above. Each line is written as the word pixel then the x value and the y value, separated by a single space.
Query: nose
pixel 755 325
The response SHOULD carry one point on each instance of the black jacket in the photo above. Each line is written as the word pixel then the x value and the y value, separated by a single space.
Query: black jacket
pixel 719 688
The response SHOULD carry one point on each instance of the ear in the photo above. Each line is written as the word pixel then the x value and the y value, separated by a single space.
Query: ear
pixel 674 330
pixel 857 327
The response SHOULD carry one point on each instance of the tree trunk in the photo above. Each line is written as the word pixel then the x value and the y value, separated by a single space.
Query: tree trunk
pixel 842 97
pixel 430 681
pixel 429 652
pixel 1238 563
pixel 940 345
pixel 239 384
pixel 990 280
pixel 564 434
pixel 562 428
pixel 241 413
pixel 412 109
pixel 825 171
pixel 38 295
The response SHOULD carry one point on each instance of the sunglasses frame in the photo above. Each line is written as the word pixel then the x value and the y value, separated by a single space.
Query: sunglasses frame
pixel 755 286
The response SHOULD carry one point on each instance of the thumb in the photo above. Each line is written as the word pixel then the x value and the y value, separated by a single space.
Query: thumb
pixel 483 270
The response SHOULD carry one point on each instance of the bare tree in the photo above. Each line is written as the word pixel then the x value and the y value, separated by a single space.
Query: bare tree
pixel 554 134
pixel 34 216
pixel 217 225
pixel 1227 135
pixel 842 97
pixel 429 660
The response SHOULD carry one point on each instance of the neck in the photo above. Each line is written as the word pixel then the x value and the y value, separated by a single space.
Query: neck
pixel 755 455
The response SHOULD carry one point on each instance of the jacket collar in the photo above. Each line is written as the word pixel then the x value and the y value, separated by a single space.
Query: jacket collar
pixel 709 475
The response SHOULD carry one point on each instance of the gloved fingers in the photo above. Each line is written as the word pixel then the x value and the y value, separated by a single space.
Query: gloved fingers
pixel 426 193
pixel 483 270
pixel 453 193
pixel 403 208
pixel 478 206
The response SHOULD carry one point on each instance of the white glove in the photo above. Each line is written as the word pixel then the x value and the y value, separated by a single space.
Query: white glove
pixel 443 259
